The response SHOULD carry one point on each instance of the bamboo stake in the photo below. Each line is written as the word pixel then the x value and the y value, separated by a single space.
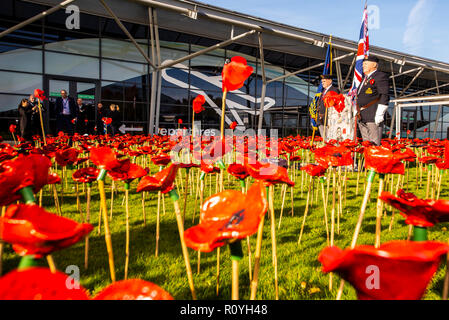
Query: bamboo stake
pixel 306 210
pixel 370 180
pixel 51 263
pixel 257 253
pixel 107 232
pixel 127 229
pixel 86 248
pixel 273 240
pixel 379 210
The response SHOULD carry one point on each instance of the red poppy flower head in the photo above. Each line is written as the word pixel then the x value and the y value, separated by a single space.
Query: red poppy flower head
pixel 227 216
pixel 12 128
pixel 73 121
pixel 198 103
pixel 66 157
pixel 269 172
pixel 85 175
pixel 161 181
pixel 104 158
pixel 106 120
pixel 133 289
pixel 237 170
pixel 233 125
pixel 372 81
pixel 387 269
pixel 179 121
pixel 39 283
pixel 383 160
pixel 235 73
pixel 33 231
pixel 39 94
pixel 408 132
pixel 336 100
pixel 418 212
pixel 426 129
pixel 314 170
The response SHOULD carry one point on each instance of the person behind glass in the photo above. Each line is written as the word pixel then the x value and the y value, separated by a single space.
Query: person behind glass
pixel 101 113
pixel 326 82
pixel 81 119
pixel 116 117
pixel 25 110
pixel 66 111
pixel 372 101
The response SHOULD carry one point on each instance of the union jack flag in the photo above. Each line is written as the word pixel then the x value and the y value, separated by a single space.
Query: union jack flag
pixel 362 53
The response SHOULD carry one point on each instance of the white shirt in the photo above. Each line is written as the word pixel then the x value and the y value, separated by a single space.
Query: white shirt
pixel 65 106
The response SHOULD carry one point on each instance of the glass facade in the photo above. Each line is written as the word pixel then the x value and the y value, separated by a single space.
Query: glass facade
pixel 98 63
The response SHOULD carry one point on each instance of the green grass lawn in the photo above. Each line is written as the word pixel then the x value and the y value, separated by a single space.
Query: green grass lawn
pixel 300 275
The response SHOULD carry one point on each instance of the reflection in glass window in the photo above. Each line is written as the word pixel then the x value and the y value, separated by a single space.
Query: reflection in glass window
pixel 71 65
pixel 123 50
pixel 85 46
pixel 19 83
pixel 10 103
pixel 122 71
pixel 172 96
pixel 26 60
pixel 111 91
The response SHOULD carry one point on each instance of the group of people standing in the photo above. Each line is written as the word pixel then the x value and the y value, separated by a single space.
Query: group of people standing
pixel 372 101
pixel 70 116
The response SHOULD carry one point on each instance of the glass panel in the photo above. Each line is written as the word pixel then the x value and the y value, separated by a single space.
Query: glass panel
pixel 111 91
pixel 123 50
pixel 9 104
pixel 84 46
pixel 56 86
pixel 27 60
pixel 22 83
pixel 134 111
pixel 174 96
pixel 86 91
pixel 71 65
pixel 122 71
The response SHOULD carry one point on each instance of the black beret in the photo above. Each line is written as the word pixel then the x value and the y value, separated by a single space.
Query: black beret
pixel 372 58
pixel 326 76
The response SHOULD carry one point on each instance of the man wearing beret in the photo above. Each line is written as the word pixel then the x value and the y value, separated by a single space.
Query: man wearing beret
pixel 326 82
pixel 372 101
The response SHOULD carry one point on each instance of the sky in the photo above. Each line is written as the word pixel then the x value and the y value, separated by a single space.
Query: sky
pixel 415 27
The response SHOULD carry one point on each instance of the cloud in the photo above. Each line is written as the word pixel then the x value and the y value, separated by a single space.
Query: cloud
pixel 418 17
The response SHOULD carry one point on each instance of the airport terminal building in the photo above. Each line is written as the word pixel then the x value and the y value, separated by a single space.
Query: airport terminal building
pixel 152 58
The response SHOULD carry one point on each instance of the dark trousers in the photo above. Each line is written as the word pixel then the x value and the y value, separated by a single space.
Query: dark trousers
pixel 64 124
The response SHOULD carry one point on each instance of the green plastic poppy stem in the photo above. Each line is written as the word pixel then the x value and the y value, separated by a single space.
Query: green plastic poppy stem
pixel 419 233
pixel 242 183
pixel 174 195
pixel 371 176
pixel 202 175
pixel 102 175
pixel 27 261
pixel 236 250
pixel 221 164
pixel 27 195
pixel 127 186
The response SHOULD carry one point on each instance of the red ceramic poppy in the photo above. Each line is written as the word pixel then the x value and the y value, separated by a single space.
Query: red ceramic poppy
pixel 372 81
pixel 443 164
pixel 336 100
pixel 295 158
pixel 66 157
pixel 39 94
pixel 24 171
pixel 233 125
pixel 12 128
pixel 127 172
pixel 426 129
pixel 198 103
pixel 418 212
pixel 208 167
pixel 270 173
pixel 161 181
pixel 104 158
pixel 32 230
pixel 333 156
pixel 383 160
pixel 161 159
pixel 85 175
pixel 428 160
pixel 180 121
pixel 238 170
pixel 314 170
pixel 217 149
pixel 228 216
pixel 133 289
pixel 107 121
pixel 39 283
pixel 235 73
pixel 396 270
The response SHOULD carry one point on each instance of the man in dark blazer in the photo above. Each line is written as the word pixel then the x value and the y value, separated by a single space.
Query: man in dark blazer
pixel 372 101
pixel 66 111
pixel 326 81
